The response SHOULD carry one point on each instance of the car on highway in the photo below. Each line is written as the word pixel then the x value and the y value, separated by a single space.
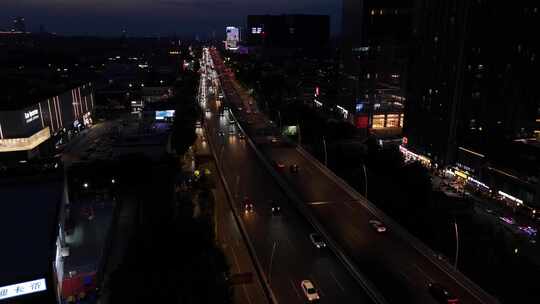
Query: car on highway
pixel 317 240
pixel 248 205
pixel 441 294
pixel 241 135
pixel 221 133
pixel 507 220
pixel 294 168
pixel 232 131
pixel 309 291
pixel 377 225
pixel 274 206
pixel 231 121
pixel 278 164
pixel 274 139
pixel 248 111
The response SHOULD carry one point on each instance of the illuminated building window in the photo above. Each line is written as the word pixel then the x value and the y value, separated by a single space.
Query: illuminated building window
pixel 378 122
pixel 392 121
pixel 401 120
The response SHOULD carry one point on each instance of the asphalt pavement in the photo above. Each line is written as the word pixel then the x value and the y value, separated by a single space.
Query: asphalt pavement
pixel 397 268
pixel 281 242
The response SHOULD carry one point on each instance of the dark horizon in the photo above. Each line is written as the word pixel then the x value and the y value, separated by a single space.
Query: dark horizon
pixel 183 18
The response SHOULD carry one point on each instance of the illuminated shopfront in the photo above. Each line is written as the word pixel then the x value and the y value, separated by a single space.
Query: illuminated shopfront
pixel 25 132
pixel 411 157
pixel 24 144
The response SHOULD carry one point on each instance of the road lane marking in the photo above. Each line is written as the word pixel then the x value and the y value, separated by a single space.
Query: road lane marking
pixel 235 258
pixel 294 288
pixel 319 203
pixel 337 282
pixel 346 203
pixel 318 288
pixel 247 294
pixel 423 272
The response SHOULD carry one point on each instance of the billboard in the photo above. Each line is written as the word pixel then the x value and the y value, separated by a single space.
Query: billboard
pixel 163 115
pixel 233 38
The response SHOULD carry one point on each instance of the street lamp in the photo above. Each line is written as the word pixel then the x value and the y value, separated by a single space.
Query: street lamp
pixel 85 185
pixel 457 243
pixel 365 180
pixel 325 152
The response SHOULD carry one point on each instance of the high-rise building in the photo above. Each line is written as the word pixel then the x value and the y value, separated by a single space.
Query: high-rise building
pixel 375 39
pixel 18 25
pixel 288 31
pixel 472 77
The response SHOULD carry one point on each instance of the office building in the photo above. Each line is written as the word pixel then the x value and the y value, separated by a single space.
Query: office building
pixel 375 40
pixel 288 31
pixel 471 77
pixel 33 245
pixel 18 25
pixel 471 97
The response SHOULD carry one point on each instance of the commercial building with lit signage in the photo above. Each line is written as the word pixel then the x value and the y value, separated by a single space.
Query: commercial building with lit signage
pixel 33 241
pixel 30 131
pixel 233 38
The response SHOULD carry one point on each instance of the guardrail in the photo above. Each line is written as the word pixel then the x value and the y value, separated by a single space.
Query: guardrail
pixel 271 298
pixel 370 289
pixel 423 249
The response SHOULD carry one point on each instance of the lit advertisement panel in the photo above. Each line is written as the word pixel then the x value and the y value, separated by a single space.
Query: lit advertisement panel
pixel 362 121
pixel 162 115
pixel 24 288
pixel 233 37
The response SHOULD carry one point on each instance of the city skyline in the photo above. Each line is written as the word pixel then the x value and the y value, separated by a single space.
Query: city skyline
pixel 167 17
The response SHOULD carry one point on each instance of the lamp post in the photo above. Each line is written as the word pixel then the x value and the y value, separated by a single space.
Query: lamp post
pixel 365 180
pixel 457 243
pixel 325 152
pixel 271 262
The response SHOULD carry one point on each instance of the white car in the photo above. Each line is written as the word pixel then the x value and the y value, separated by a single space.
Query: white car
pixel 309 291
pixel 377 225
pixel 317 240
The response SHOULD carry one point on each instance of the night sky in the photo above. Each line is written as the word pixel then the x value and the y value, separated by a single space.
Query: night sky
pixel 153 17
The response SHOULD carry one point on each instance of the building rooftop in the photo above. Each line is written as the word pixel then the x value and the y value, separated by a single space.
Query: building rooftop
pixel 29 221
pixel 25 90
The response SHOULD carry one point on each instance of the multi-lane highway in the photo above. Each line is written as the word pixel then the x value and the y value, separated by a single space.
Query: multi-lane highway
pixel 399 265
pixel 281 241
